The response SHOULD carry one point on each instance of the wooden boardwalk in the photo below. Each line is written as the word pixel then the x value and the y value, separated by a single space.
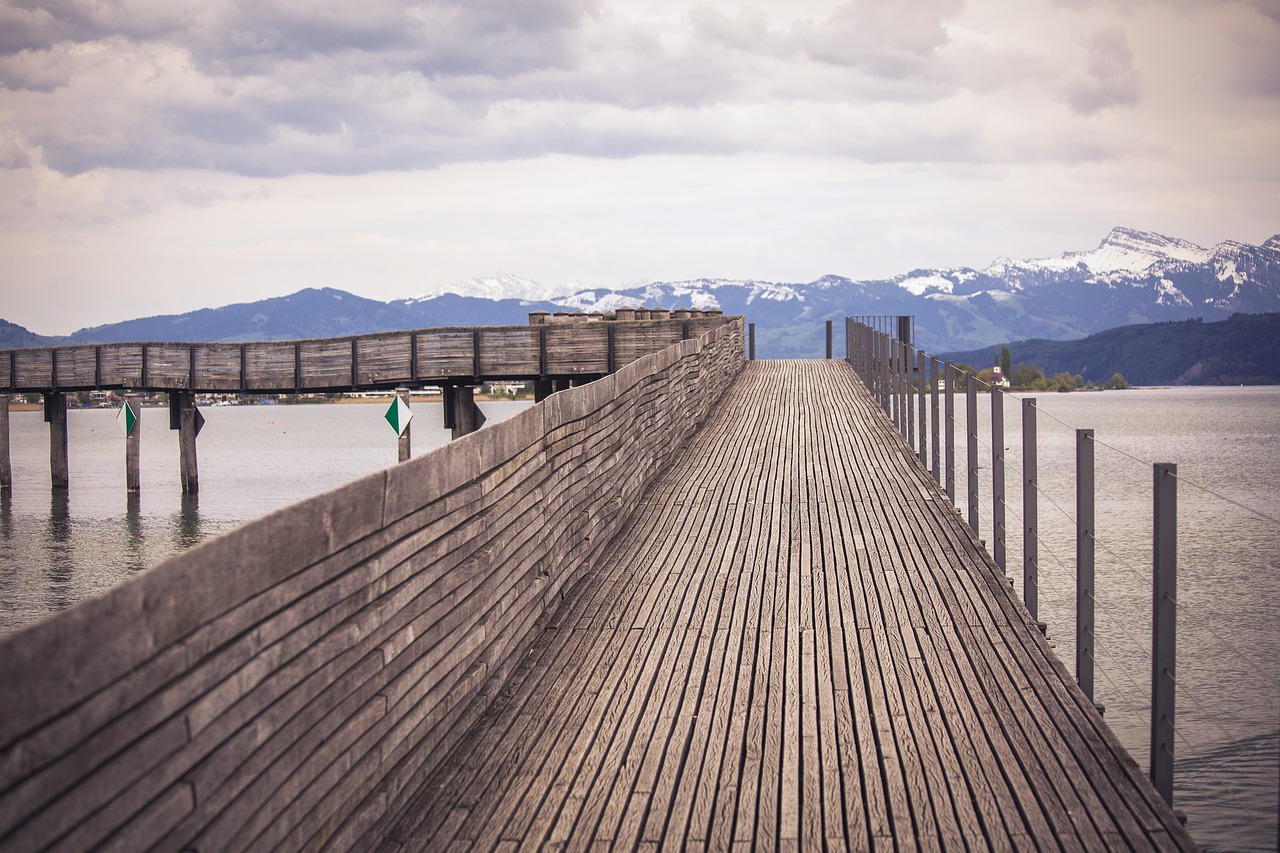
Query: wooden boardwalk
pixel 794 643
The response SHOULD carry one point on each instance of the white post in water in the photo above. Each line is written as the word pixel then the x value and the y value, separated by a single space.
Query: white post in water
pixel 1164 618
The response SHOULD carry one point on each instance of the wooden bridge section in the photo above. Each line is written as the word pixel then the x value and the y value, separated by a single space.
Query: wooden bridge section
pixel 469 355
pixel 794 643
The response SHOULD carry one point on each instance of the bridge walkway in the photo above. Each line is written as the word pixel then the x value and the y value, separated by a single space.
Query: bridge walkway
pixel 794 643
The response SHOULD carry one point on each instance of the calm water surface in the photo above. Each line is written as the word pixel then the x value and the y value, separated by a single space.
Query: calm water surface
pixel 1225 441
pixel 56 551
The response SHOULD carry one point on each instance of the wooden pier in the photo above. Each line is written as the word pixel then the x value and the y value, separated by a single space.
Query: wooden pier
pixel 554 351
pixel 698 604
pixel 795 643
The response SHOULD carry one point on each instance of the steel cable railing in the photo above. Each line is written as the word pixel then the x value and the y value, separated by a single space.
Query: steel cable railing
pixel 1116 623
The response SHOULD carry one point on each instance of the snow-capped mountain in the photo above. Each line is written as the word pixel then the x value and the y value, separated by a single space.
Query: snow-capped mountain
pixel 503 286
pixel 1131 277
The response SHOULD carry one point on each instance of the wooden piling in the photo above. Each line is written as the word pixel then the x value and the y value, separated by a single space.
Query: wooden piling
pixel 55 414
pixel 6 470
pixel 467 417
pixel 133 445
pixel 404 443
pixel 183 411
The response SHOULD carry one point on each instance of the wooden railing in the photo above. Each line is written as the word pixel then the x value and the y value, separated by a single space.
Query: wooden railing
pixel 361 362
pixel 287 685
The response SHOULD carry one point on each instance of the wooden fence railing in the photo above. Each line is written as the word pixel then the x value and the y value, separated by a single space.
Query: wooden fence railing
pixel 287 685
pixel 361 362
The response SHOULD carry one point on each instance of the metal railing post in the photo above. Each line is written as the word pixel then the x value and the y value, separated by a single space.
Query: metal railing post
pixel 933 418
pixel 1164 614
pixel 971 423
pixel 900 391
pixel 998 532
pixel 950 373
pixel 922 426
pixel 1084 561
pixel 908 394
pixel 1030 510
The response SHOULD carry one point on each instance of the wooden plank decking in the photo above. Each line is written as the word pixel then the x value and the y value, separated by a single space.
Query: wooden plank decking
pixel 793 644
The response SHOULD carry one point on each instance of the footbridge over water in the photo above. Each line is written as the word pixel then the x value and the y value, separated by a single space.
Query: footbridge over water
pixel 702 602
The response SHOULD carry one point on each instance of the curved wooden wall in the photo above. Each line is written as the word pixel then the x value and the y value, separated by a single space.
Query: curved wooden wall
pixel 289 683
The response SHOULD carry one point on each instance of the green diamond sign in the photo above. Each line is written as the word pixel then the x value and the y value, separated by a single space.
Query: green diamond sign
pixel 127 418
pixel 399 416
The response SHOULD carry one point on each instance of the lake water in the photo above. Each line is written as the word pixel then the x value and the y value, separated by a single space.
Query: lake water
pixel 57 550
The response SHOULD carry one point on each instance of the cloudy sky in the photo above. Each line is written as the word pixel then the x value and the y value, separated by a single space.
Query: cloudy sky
pixel 162 155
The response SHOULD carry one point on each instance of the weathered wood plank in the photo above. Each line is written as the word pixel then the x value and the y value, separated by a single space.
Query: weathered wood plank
pixel 785 647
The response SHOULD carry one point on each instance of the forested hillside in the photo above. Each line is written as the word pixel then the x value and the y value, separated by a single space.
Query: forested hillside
pixel 1244 349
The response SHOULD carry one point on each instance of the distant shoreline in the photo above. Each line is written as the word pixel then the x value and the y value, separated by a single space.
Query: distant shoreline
pixel 384 400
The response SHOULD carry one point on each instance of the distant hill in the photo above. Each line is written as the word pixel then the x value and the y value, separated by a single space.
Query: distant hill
pixel 1245 348
pixel 312 313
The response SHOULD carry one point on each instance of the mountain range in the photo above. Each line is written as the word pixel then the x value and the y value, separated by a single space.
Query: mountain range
pixel 1132 277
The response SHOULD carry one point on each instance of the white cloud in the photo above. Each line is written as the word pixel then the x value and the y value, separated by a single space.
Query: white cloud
pixel 612 140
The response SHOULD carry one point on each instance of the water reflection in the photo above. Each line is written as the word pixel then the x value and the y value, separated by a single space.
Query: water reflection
pixel 61 566
pixel 135 537
pixel 187 530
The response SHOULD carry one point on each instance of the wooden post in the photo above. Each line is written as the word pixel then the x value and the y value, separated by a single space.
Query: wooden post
pixel 55 414
pixel 998 532
pixel 751 341
pixel 133 445
pixel 971 406
pixel 467 417
pixel 1030 511
pixel 829 350
pixel 6 471
pixel 542 389
pixel 404 453
pixel 184 417
pixel 1164 620
pixel 1084 561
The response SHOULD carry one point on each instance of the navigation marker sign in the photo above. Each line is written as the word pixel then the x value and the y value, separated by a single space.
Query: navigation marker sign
pixel 127 418
pixel 399 416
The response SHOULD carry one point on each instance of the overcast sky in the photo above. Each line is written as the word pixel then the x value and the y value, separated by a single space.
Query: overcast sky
pixel 158 156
